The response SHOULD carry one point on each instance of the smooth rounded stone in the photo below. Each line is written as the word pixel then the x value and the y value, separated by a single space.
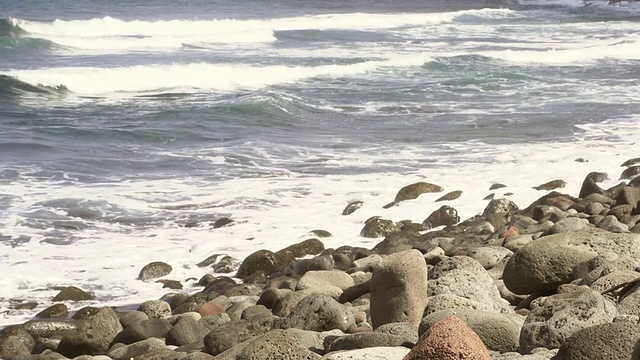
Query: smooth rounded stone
pixel 303 248
pixel 607 265
pixel 161 354
pixel 397 242
pixel 366 339
pixel 630 195
pixel 322 278
pixel 499 211
pixel 186 308
pixel 622 212
pixel 21 333
pixel 319 312
pixel 212 307
pixel 371 353
pixel 450 196
pixel 12 346
pixel 612 341
pixel 270 296
pixel 132 317
pixel 631 162
pixel 72 293
pixel 54 311
pixel 370 260
pixel 274 345
pixel 322 262
pixel 215 320
pixel 465 277
pixel 193 315
pixel 352 293
pixel 155 309
pixel 406 331
pixel 142 330
pixel 412 191
pixel 537 354
pixel 630 172
pixel 561 315
pixel 254 310
pixel 562 202
pixel 551 185
pixel 615 278
pixel 489 256
pixel 498 332
pixel 229 335
pixel 352 207
pixel 283 306
pixel 376 227
pixel 46 328
pixel 93 336
pixel 154 270
pixel 198 355
pixel 399 289
pixel 85 312
pixel 445 215
pixel 261 260
pixel 570 224
pixel 594 208
pixel 236 310
pixel 506 294
pixel 186 331
pixel 449 339
pixel 453 302
pixel 314 340
pixel 611 223
pixel 127 352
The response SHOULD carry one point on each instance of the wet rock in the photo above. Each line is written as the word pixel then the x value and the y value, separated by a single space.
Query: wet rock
pixel 498 332
pixel 604 342
pixel 54 311
pixel 261 260
pixel 319 313
pixel 398 289
pixel 396 242
pixel 85 312
pixel 551 185
pixel 590 186
pixel 127 352
pixel 352 207
pixel 170 284
pixel 226 265
pixel 19 332
pixel 142 330
pixel 450 196
pixel 323 262
pixel 321 233
pixel 499 211
pixel 93 336
pixel 154 270
pixel 563 203
pixel 72 293
pixel 561 315
pixel 449 338
pixel 412 191
pixel 445 215
pixel 47 328
pixel 630 172
pixel 497 186
pixel 376 227
pixel 631 162
pixel 186 331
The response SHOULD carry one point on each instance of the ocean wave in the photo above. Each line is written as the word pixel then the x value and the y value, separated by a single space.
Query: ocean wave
pixel 195 77
pixel 10 27
pixel 12 87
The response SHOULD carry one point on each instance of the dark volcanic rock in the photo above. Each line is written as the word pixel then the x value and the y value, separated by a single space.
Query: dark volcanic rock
pixel 273 345
pixel 143 330
pixel 186 331
pixel 319 312
pixel 154 270
pixel 551 185
pixel 72 293
pixel 630 172
pixel 377 227
pixel 301 249
pixel 590 186
pixel 412 191
pixel 352 207
pixel 631 162
pixel 21 333
pixel 445 215
pixel 54 311
pixel 499 211
pixel 93 336
pixel 450 196
pixel 612 341
pixel 233 333
pixel 85 312
pixel 365 340
pixel 261 260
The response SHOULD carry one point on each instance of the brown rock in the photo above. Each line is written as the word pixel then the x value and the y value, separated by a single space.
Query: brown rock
pixel 72 293
pixel 412 191
pixel 210 308
pixel 561 202
pixel 54 311
pixel 449 339
pixel 450 196
pixel 511 231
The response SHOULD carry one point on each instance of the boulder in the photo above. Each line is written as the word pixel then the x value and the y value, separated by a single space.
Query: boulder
pixel 213 321
pixel 134 350
pixel 498 332
pixel 612 341
pixel 155 309
pixel 445 215
pixel 142 330
pixel 551 185
pixel 230 334
pixel 322 278
pixel 371 353
pixel 611 223
pixel 590 186
pixel 570 224
pixel 489 256
pixel 499 211
pixel 561 315
pixel 12 347
pixel 449 339
pixel 453 302
pixel 21 333
pixel 43 328
pixel 72 293
pixel 408 332
pixel 450 196
pixel 273 345
pixel 412 191
pixel 154 270
pixel 352 207
pixel 630 172
pixel 629 196
pixel 399 289
pixel 261 260
pixel 186 331
pixel 93 336
pixel 319 312
pixel 54 311
pixel 376 227
pixel 367 339
pixel 396 242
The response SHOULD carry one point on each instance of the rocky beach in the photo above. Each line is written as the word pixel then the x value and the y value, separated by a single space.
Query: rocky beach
pixel 555 279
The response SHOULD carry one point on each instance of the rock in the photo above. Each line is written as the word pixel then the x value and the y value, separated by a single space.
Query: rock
pixel 54 311
pixel 630 172
pixel 226 265
pixel 230 334
pixel 551 185
pixel 210 308
pixel 412 191
pixel 274 345
pixel 314 340
pixel 629 301
pixel 499 211
pixel 352 207
pixel 254 310
pixel 604 342
pixel 396 242
pixel 301 249
pixel 323 278
pixel 497 186
pixel 352 293
pixel 590 186
pixel 155 309
pixel 127 352
pixel 613 279
pixel 85 312
pixel 142 330
pixel 11 347
pixel 371 353
pixel 224 221
pixel 624 212
pixel 45 329
pixel 570 224
pixel 366 339
pixel 561 315
pixel 498 332
pixel 170 284
pixel 450 196
pixel 464 277
pixel 154 270
pixel 93 336
pixel 319 312
pixel 453 302
pixel 563 203
pixel 408 332
pixel 489 256
pixel 611 223
pixel 399 289
pixel 445 215
pixel 72 293
pixel 449 339
pixel 21 333
pixel 186 331
pixel 213 321
pixel 630 162
pixel 132 317
pixel 376 227
pixel 261 260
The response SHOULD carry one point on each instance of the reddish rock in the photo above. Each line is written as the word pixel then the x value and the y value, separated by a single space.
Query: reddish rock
pixel 449 339
pixel 210 308
pixel 511 231
pixel 561 202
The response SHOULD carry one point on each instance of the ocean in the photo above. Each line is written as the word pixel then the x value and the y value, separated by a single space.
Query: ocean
pixel 128 127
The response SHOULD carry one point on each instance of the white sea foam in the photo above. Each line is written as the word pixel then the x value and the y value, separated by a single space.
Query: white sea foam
pixel 274 212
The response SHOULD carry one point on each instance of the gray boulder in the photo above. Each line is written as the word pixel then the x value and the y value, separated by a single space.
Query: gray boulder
pixel 319 312
pixel 412 191
pixel 142 330
pixel 372 353
pixel 156 309
pixel 611 223
pixel 561 315
pixel 569 224
pixel 154 270
pixel 274 345
pixel 445 215
pixel 127 352
pixel 399 289
pixel 315 279
pixel 406 331
pixel 489 256
pixel 261 260
pixel 612 341
pixel 367 339
pixel 12 347
pixel 186 331
pixel 498 332
pixel 453 302
pixel 93 336
pixel 376 227
pixel 499 211
pixel 231 334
